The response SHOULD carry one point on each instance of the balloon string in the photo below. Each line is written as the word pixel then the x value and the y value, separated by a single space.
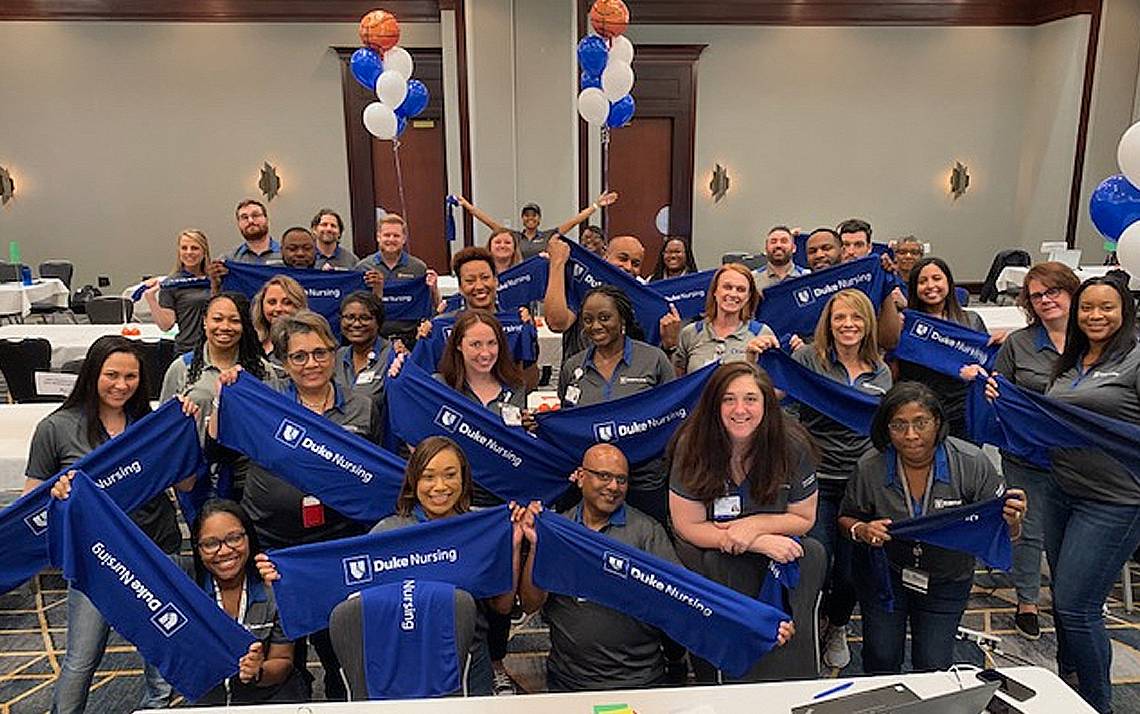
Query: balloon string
pixel 400 186
pixel 605 172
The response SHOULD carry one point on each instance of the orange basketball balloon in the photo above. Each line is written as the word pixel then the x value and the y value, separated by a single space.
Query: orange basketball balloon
pixel 609 17
pixel 379 30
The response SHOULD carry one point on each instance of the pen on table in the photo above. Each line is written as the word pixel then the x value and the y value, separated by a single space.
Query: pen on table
pixel 833 690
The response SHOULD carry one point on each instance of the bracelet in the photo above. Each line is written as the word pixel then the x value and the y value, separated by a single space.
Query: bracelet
pixel 855 525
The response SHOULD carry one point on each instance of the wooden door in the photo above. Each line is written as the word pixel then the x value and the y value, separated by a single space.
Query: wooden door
pixel 422 164
pixel 641 171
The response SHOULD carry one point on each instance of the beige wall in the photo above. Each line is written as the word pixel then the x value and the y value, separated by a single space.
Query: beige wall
pixel 816 125
pixel 120 134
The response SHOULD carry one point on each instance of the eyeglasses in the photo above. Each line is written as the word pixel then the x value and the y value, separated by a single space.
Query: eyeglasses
pixel 301 357
pixel 362 319
pixel 250 216
pixel 915 252
pixel 921 424
pixel 1051 293
pixel 210 546
pixel 606 477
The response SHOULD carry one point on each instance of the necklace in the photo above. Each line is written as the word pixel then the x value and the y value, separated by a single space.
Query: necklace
pixel 321 406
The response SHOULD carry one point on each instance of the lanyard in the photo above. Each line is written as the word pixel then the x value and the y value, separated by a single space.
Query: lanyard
pixel 926 497
pixel 240 618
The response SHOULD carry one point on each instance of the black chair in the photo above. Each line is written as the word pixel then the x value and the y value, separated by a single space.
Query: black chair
pixel 19 362
pixel 110 310
pixel 63 270
pixel 799 658
pixel 346 629
pixel 752 261
pixel 72 366
pixel 158 356
pixel 1004 259
pixel 9 272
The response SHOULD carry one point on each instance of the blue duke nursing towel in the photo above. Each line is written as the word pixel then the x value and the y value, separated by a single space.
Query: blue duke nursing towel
pixel 686 292
pixel 522 339
pixel 408 299
pixel 174 283
pixel 324 289
pixel 640 425
pixel 585 271
pixel 505 460
pixel 523 284
pixel 152 455
pixel 471 551
pixel 942 345
pixel 794 305
pixel 351 475
pixel 718 624
pixel 849 407
pixel 141 593
pixel 409 640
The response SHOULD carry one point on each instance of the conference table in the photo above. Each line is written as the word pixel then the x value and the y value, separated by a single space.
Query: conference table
pixel 17 424
pixel 1000 317
pixel 70 342
pixel 1011 277
pixel 1052 697
pixel 16 298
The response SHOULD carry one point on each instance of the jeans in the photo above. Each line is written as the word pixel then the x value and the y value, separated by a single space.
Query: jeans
pixel 933 618
pixel 838 594
pixel 87 634
pixel 1027 549
pixel 1087 542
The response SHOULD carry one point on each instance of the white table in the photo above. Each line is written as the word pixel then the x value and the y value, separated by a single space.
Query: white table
pixel 1052 696
pixel 16 298
pixel 70 342
pixel 1001 317
pixel 17 423
pixel 1012 277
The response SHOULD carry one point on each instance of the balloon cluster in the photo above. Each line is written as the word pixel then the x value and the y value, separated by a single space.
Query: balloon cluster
pixel 607 74
pixel 384 67
pixel 1115 204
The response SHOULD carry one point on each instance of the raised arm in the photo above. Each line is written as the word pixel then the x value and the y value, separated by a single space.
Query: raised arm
pixel 480 215
pixel 559 316
pixel 607 198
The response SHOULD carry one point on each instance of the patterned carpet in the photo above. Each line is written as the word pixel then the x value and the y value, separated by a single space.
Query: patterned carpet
pixel 33 641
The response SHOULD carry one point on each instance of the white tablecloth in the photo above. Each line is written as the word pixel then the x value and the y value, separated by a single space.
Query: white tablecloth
pixel 70 342
pixel 17 298
pixel 1000 317
pixel 17 423
pixel 1011 278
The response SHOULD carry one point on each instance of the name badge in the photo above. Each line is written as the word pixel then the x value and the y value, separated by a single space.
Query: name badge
pixel 366 377
pixel 726 508
pixel 512 415
pixel 312 512
pixel 916 580
pixel 573 394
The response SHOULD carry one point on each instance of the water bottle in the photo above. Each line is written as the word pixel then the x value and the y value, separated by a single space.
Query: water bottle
pixel 26 274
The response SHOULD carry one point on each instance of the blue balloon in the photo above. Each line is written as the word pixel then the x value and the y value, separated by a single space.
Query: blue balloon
pixel 401 124
pixel 593 54
pixel 591 80
pixel 621 112
pixel 416 100
pixel 366 67
pixel 1115 205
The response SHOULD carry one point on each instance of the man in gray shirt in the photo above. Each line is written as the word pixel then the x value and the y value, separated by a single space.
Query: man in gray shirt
pixel 258 248
pixel 779 248
pixel 531 239
pixel 591 646
pixel 328 227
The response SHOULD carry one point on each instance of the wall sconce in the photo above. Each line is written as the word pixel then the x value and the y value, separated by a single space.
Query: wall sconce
pixel 7 186
pixel 959 180
pixel 270 182
pixel 719 184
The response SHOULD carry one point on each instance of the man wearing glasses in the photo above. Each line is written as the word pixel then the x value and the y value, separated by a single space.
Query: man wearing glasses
pixel 591 646
pixel 258 248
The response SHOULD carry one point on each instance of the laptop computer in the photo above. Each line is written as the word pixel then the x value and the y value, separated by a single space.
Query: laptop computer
pixel 962 701
pixel 899 699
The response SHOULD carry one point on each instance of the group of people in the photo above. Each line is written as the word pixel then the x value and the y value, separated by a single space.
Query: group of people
pixel 744 481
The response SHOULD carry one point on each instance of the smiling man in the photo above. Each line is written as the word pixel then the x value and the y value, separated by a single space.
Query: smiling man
pixel 328 227
pixel 779 248
pixel 824 249
pixel 591 646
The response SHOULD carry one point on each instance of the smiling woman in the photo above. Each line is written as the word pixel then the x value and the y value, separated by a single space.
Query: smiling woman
pixel 727 327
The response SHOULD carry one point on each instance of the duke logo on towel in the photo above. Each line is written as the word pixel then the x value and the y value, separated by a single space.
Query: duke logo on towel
pixel 942 345
pixel 586 271
pixel 324 289
pixel 795 305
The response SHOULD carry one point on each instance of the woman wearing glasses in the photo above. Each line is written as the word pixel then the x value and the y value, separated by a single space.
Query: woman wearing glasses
pixel 1027 358
pixel 916 469
pixel 281 514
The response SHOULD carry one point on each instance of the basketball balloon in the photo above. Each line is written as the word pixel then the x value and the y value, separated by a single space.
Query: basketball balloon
pixel 609 18
pixel 379 30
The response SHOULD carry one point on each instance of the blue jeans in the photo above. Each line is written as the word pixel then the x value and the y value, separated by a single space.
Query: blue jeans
pixel 933 618
pixel 87 634
pixel 1087 543
pixel 838 593
pixel 1027 549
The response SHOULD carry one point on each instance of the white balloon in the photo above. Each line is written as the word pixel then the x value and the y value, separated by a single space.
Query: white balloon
pixel 391 88
pixel 399 60
pixel 621 49
pixel 380 121
pixel 593 106
pixel 617 79
pixel 1128 154
pixel 1128 249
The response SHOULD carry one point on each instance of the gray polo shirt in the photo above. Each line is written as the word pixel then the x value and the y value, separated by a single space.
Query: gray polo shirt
pixel 274 504
pixel 408 267
pixel 1026 358
pixel 764 277
pixel 641 367
pixel 189 306
pixel 840 448
pixel 1110 387
pixel 962 475
pixel 243 254
pixel 60 440
pixel 699 344
pixel 530 247
pixel 594 647
pixel 341 258
pixel 369 381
